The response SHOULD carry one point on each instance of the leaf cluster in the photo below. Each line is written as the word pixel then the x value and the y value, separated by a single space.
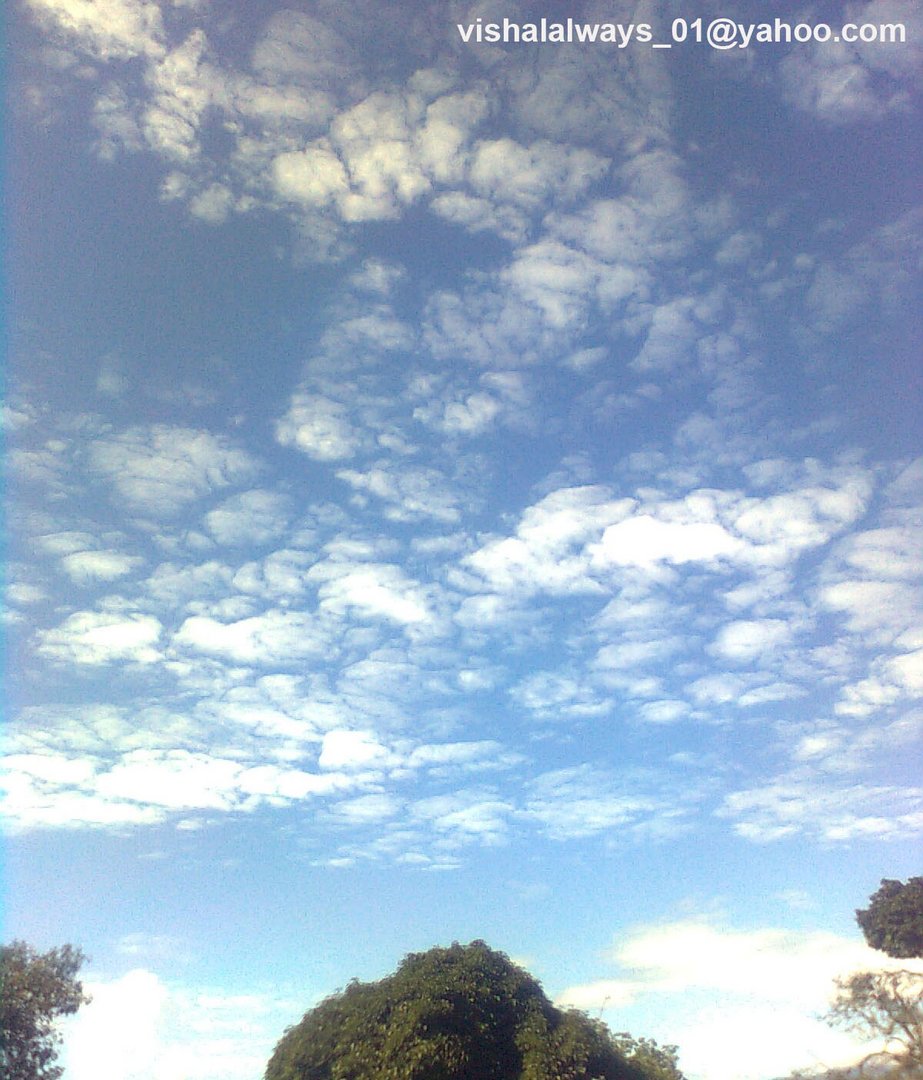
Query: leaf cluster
pixel 893 921
pixel 458 1013
pixel 35 990
pixel 657 1062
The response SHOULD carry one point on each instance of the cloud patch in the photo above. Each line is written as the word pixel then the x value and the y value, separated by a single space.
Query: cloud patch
pixel 158 470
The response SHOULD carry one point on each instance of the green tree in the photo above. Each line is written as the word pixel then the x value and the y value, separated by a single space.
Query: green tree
pixel 893 921
pixel 461 1013
pixel 35 990
pixel 657 1062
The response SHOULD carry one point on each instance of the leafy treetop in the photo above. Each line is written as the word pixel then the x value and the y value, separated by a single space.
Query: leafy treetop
pixel 35 989
pixel 893 921
pixel 459 1013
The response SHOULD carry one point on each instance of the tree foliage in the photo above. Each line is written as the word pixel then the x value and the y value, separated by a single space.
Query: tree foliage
pixel 886 1005
pixel 656 1062
pixel 460 1013
pixel 893 921
pixel 35 990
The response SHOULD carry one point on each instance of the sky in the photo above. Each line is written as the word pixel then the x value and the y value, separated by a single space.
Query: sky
pixel 460 489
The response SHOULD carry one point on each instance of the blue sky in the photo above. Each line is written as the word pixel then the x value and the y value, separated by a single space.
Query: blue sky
pixel 459 491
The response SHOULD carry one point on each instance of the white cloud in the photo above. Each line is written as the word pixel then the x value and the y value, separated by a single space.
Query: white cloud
pixel 274 109
pixel 275 637
pixel 176 585
pixel 213 204
pixel 895 552
pixel 663 712
pixel 16 417
pixel 748 975
pixel 65 543
pixel 872 275
pixel 376 141
pixel 569 93
pixel 252 517
pixel 368 809
pixel 410 492
pixel 182 87
pixel 138 1027
pixel 806 517
pixel 104 768
pixel 108 29
pixel 117 1036
pixel 158 470
pixel 751 639
pixel 377 277
pixel 480 215
pixel 372 590
pixel 443 141
pixel 843 83
pixel 777 965
pixel 545 552
pixel 835 811
pixel 464 817
pixel 491 325
pixel 469 415
pixel 675 329
pixel 315 176
pixel 441 756
pixel 556 696
pixel 345 749
pixel 445 402
pixel 92 731
pixel 557 279
pixel 282 576
pixel 872 582
pixel 29 804
pixel 361 333
pixel 652 221
pixel 303 51
pixel 91 637
pixel 582 801
pixel 173 779
pixel 88 567
pixel 320 427
pixel 378 156
pixel 531 176
pixel 49 768
pixel 644 540
pixel 277 784
pixel 24 593
pixel 579 539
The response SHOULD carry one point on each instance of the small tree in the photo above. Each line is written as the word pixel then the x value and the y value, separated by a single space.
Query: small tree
pixel 893 921
pixel 35 990
pixel 887 1005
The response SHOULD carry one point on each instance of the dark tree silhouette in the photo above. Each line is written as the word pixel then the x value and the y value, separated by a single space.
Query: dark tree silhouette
pixel 893 921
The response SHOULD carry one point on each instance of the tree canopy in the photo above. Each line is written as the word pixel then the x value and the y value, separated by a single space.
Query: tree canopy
pixel 893 921
pixel 459 1013
pixel 35 990
pixel 886 1005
